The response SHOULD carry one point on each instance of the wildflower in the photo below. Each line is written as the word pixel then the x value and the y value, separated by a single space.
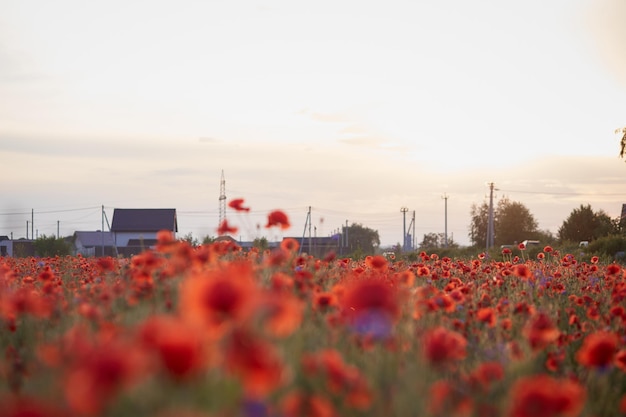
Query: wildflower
pixel 254 362
pixel 370 306
pixel 226 228
pixel 324 300
pixel 594 259
pixel 99 373
pixel 541 331
pixel 377 262
pixel 447 399
pixel 544 396
pixel 218 297
pixel 298 404
pixel 237 205
pixel 598 349
pixel 278 218
pixel 289 244
pixel 29 407
pixel 487 373
pixel 340 377
pixel 521 246
pixel 522 271
pixel 281 313
pixel 487 315
pixel 442 346
pixel 178 347
pixel 547 249
pixel 423 271
pixel 613 269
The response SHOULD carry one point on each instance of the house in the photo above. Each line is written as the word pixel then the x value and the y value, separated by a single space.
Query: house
pixel 96 243
pixel 134 230
pixel 317 246
pixel 17 248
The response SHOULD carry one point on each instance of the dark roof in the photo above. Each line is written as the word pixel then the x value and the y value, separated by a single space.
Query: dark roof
pixel 90 239
pixel 3 237
pixel 144 220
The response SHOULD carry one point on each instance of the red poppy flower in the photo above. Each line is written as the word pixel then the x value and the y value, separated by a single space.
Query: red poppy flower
pixel 298 404
pixel 544 396
pixel 237 205
pixel 219 296
pixel 290 244
pixel 541 331
pixel 522 271
pixel 547 249
pixel 278 218
pixel 226 229
pixel 613 269
pixel 99 373
pixel 341 378
pixel 377 262
pixel 445 399
pixel 24 406
pixel 442 346
pixel 178 346
pixel 324 300
pixel 370 296
pixel 281 313
pixel 487 315
pixel 255 362
pixel 598 349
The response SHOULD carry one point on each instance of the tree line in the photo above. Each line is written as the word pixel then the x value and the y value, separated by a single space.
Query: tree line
pixel 514 223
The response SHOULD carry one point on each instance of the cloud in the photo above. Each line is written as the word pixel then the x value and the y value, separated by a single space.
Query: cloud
pixel 605 21
pixel 208 139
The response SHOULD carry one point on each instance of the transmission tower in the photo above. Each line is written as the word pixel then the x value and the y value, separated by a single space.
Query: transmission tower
pixel 403 210
pixel 490 220
pixel 222 199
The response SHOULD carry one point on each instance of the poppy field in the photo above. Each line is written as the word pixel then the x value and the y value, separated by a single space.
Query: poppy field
pixel 217 331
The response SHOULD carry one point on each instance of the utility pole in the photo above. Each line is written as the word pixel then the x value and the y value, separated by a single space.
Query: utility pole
pixel 346 240
pixel 403 210
pixel 102 230
pixel 490 228
pixel 58 235
pixel 413 237
pixel 222 199
pixel 445 234
pixel 32 224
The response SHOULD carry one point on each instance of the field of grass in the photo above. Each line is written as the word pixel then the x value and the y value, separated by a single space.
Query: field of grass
pixel 214 331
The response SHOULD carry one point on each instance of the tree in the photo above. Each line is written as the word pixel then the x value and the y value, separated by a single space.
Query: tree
pixel 51 246
pixel 361 240
pixel 478 225
pixel 189 238
pixel 585 224
pixel 261 243
pixel 435 241
pixel 513 222
pixel 622 131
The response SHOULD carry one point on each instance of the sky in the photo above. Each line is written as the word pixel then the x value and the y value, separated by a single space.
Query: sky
pixel 350 109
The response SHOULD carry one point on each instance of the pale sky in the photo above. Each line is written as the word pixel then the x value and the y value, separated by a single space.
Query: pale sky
pixel 354 108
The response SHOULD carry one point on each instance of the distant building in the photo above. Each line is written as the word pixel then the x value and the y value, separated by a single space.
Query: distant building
pixel 17 248
pixel 96 243
pixel 134 230
pixel 318 246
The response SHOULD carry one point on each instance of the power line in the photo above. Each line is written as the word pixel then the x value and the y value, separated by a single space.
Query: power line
pixel 563 193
